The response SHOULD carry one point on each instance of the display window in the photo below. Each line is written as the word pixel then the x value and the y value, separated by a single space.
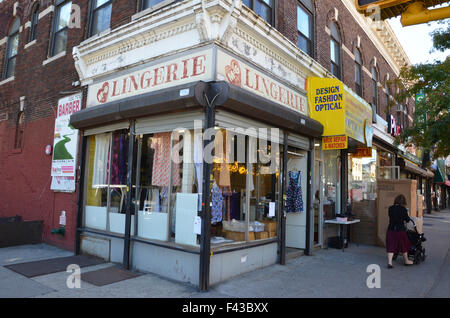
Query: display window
pixel 167 184
pixel 244 188
pixel 107 178
pixel 362 178
pixel 331 182
pixel 387 169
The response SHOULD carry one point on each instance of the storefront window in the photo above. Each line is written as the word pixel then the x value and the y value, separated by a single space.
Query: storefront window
pixel 244 166
pixel 161 175
pixel 362 178
pixel 332 184
pixel 387 169
pixel 107 177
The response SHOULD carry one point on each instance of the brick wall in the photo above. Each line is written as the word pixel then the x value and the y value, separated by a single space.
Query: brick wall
pixel 349 31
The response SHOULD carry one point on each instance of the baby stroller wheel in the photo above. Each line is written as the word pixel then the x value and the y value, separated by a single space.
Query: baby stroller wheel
pixel 417 257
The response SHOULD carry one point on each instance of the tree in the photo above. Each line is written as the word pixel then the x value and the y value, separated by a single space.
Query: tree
pixel 431 125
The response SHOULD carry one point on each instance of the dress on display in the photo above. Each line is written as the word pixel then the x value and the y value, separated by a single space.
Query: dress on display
pixel 294 199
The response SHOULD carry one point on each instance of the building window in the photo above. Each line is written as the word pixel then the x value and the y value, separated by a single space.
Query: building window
pixel 11 49
pixel 145 4
pixel 34 23
pixel 304 28
pixel 263 8
pixel 100 16
pixel 60 26
pixel 375 89
pixel 386 88
pixel 335 50
pixel 19 131
pixel 358 72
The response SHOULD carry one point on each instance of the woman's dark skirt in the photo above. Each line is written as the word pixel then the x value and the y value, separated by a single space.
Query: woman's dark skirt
pixel 397 242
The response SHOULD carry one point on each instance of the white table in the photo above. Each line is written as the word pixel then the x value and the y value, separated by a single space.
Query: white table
pixel 341 228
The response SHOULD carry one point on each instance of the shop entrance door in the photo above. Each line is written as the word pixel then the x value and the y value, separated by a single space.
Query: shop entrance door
pixel 318 203
pixel 296 198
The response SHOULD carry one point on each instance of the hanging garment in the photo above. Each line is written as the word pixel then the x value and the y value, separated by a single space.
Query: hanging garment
pixel 101 159
pixel 222 174
pixel 115 160
pixel 294 200
pixel 217 203
pixel 162 161
pixel 123 158
pixel 150 153
pixel 235 206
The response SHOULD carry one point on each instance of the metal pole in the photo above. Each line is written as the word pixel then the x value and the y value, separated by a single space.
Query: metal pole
pixel 126 242
pixel 79 218
pixel 205 243
pixel 282 215
pixel 309 199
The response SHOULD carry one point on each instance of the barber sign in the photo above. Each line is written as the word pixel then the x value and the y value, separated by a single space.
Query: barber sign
pixel 65 138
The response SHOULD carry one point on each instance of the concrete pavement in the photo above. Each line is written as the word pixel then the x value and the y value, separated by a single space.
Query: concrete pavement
pixel 328 273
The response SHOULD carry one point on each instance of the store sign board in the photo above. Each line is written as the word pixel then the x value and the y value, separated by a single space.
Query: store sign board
pixel 65 144
pixel 334 142
pixel 249 78
pixel 177 71
pixel 341 113
pixel 363 153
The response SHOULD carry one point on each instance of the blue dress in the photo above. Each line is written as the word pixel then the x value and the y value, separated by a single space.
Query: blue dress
pixel 294 200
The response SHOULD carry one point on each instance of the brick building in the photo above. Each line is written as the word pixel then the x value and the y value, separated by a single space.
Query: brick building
pixel 109 42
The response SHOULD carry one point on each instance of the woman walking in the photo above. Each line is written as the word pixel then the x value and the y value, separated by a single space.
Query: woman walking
pixel 396 239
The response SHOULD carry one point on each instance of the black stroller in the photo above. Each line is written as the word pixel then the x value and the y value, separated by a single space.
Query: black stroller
pixel 417 251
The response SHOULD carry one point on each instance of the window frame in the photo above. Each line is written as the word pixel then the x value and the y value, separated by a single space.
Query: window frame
pixel 155 7
pixel 262 2
pixel 34 22
pixel 58 5
pixel 375 88
pixel 338 53
pixel 7 60
pixel 309 40
pixel 359 66
pixel 92 11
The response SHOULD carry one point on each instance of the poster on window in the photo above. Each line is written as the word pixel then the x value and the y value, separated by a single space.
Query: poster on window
pixel 65 144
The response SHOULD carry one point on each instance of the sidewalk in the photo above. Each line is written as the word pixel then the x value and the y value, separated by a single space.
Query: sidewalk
pixel 328 273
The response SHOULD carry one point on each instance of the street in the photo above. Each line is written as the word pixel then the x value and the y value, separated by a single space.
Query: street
pixel 328 273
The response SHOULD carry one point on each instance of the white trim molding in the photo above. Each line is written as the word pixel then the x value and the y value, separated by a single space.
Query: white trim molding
pixel 53 58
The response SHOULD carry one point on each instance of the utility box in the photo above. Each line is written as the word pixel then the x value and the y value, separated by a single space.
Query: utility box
pixel 387 191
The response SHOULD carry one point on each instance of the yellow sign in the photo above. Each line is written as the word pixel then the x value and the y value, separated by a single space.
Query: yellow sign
pixel 363 153
pixel 338 109
pixel 334 142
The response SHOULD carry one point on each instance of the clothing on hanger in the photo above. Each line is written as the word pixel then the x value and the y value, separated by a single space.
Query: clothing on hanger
pixel 162 161
pixel 294 200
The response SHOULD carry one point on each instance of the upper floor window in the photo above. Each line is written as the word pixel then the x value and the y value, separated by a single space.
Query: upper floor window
pixel 358 72
pixel 145 4
pixel 335 50
pixel 60 26
pixel 304 28
pixel 34 23
pixel 100 16
pixel 386 88
pixel 375 88
pixel 263 8
pixel 11 49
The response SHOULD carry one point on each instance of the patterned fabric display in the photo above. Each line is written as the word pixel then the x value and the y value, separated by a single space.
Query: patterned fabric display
pixel 294 192
pixel 162 160
pixel 217 203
